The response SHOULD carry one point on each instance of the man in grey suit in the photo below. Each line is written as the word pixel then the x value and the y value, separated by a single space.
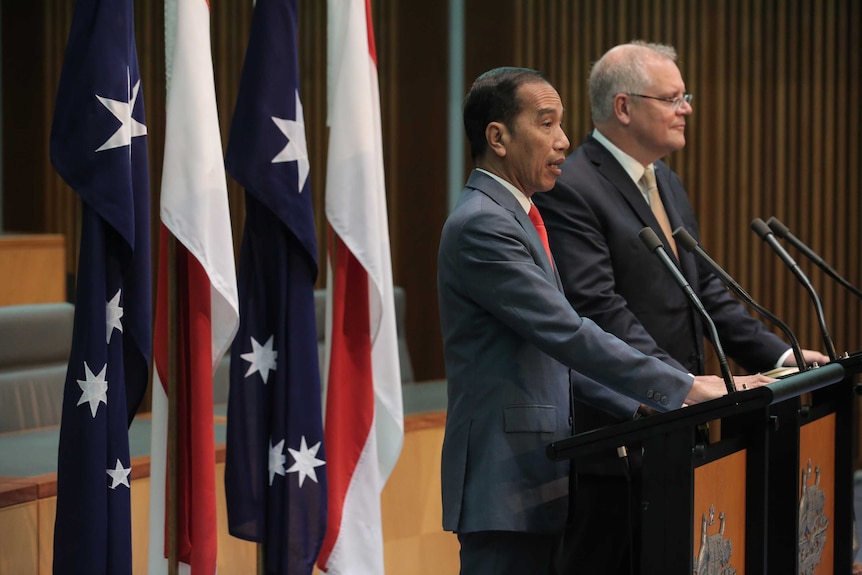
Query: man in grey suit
pixel 511 339
pixel 594 215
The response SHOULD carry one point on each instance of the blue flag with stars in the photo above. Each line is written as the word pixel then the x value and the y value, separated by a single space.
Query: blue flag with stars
pixel 275 474
pixel 98 146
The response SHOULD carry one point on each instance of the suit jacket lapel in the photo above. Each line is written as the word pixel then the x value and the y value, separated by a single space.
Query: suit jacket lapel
pixel 608 167
pixel 491 188
pixel 611 169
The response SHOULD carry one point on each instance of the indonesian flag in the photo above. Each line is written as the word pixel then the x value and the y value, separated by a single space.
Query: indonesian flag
pixel 364 423
pixel 194 210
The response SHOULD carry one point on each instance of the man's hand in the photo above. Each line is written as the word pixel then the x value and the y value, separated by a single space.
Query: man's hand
pixel 749 381
pixel 708 387
pixel 810 356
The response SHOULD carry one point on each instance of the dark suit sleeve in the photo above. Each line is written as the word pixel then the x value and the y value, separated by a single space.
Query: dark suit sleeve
pixel 583 257
pixel 578 241
pixel 498 271
pixel 744 338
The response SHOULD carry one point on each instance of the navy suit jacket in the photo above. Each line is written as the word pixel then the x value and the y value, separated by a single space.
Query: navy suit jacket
pixel 593 216
pixel 510 338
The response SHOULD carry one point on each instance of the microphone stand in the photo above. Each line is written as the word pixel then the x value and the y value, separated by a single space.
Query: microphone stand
pixel 766 234
pixel 651 241
pixel 689 244
pixel 782 232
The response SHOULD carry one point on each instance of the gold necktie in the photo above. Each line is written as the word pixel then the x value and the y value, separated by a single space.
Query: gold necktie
pixel 649 184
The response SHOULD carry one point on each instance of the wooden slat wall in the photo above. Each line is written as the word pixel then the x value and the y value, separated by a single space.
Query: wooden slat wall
pixel 412 86
pixel 230 23
pixel 775 129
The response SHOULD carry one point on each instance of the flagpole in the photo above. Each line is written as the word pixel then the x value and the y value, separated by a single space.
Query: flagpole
pixel 171 467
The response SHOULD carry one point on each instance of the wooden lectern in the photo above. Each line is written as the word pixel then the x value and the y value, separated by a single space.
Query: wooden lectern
pixel 730 506
pixel 811 479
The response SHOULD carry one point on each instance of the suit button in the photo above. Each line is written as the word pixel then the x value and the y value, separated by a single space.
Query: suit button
pixel 664 400
pixel 649 394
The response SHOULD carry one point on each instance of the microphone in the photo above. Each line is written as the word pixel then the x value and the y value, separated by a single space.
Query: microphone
pixel 782 232
pixel 653 244
pixel 689 244
pixel 766 234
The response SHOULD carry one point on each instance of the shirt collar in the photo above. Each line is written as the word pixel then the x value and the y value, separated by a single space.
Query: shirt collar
pixel 519 195
pixel 633 168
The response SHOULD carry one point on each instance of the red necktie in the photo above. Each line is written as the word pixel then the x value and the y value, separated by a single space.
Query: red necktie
pixel 539 223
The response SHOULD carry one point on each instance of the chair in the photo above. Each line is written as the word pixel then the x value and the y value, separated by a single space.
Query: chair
pixel 35 342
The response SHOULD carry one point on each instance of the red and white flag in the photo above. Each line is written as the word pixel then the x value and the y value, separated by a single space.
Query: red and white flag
pixel 364 423
pixel 194 210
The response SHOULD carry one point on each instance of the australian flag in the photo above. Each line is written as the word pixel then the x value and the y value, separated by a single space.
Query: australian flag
pixel 275 474
pixel 98 146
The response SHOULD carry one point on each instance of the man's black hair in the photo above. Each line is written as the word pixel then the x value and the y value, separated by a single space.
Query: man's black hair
pixel 494 98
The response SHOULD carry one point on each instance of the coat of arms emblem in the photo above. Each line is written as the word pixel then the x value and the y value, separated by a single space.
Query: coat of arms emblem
pixel 813 522
pixel 715 551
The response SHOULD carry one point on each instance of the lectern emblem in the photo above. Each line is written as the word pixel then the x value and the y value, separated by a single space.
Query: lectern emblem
pixel 812 522
pixel 714 555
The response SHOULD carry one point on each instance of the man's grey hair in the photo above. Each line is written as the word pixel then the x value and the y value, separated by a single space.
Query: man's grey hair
pixel 627 74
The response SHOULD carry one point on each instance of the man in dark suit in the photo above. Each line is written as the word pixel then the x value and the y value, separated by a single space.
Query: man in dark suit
pixel 605 196
pixel 511 338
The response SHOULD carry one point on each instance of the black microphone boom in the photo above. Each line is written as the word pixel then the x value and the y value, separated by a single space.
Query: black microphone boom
pixel 782 232
pixel 767 235
pixel 651 241
pixel 689 244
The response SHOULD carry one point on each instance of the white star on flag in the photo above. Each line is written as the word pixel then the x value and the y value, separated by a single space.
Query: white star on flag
pixel 94 388
pixel 261 357
pixel 129 127
pixel 296 149
pixel 119 475
pixel 306 461
pixel 113 316
pixel 276 459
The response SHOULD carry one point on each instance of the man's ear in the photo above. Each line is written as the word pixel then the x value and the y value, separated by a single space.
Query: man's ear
pixel 497 136
pixel 622 109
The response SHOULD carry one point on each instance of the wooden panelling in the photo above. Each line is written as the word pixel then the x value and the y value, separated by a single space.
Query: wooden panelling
pixel 61 209
pixel 413 538
pixel 719 506
pixel 816 480
pixel 33 268
pixel 414 541
pixel 412 61
pixel 25 118
pixel 412 85
pixel 19 540
pixel 775 130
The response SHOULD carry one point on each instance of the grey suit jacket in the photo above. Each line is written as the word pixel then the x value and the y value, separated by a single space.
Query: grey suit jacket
pixel 510 338
pixel 593 217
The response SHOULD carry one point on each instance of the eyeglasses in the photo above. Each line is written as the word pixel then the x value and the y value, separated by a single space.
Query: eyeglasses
pixel 675 103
